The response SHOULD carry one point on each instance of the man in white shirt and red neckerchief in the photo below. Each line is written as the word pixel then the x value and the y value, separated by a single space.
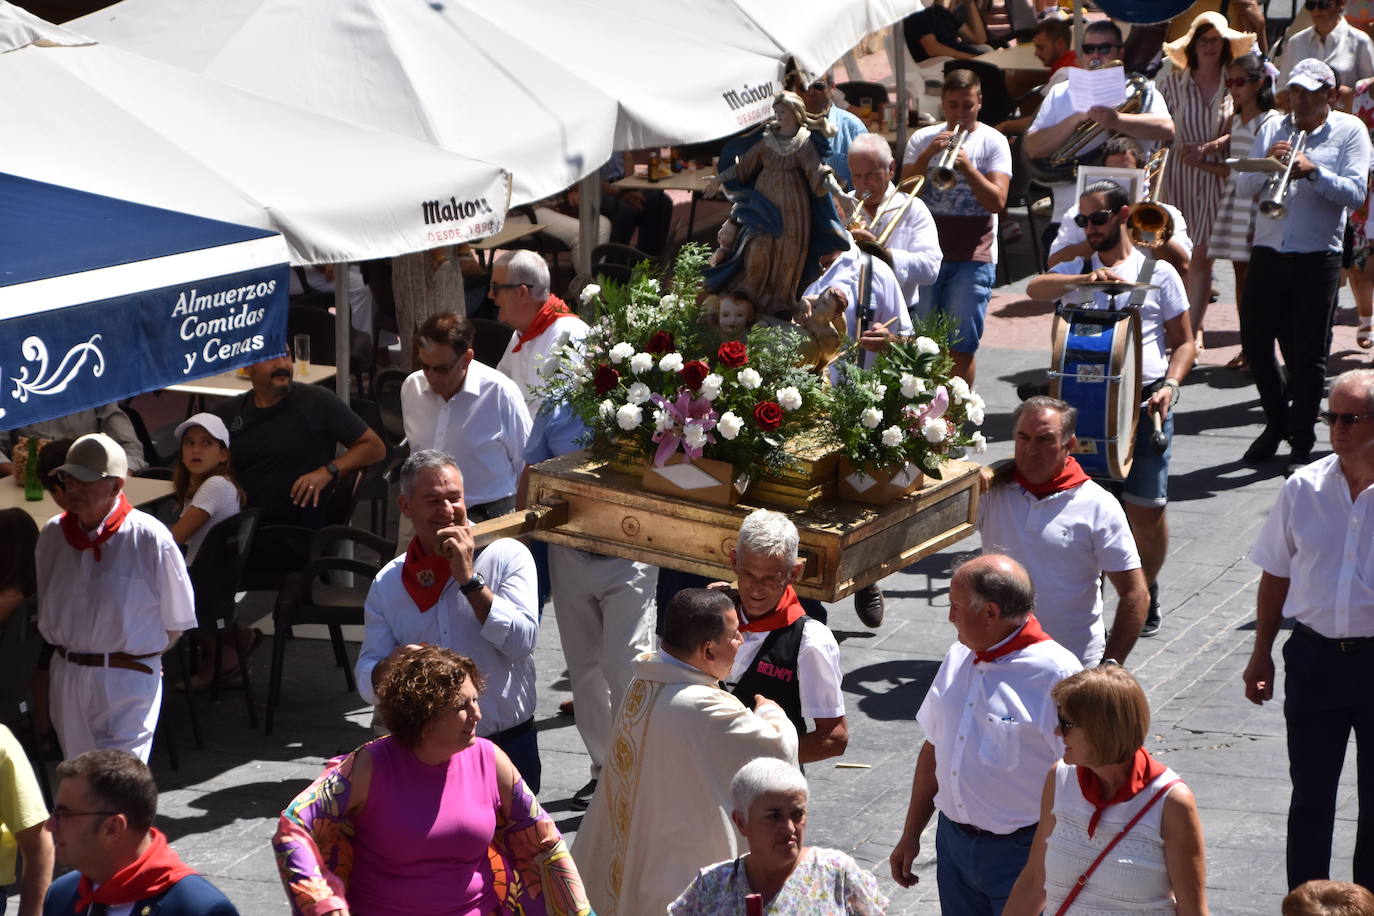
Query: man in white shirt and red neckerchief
pixel 1316 550
pixel 990 722
pixel 786 656
pixel 445 592
pixel 543 323
pixel 1043 511
pixel 113 595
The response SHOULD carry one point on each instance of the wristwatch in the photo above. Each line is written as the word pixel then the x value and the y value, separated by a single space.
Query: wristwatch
pixel 473 584
pixel 333 470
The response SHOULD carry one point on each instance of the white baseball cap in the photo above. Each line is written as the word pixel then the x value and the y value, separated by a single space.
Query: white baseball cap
pixel 208 422
pixel 1313 75
pixel 94 456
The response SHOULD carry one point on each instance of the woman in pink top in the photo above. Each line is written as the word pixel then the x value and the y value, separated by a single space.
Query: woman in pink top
pixel 430 820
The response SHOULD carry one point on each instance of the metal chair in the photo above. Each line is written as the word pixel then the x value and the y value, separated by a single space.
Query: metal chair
pixel 375 487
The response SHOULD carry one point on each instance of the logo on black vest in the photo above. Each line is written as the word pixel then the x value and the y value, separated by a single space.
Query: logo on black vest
pixel 768 669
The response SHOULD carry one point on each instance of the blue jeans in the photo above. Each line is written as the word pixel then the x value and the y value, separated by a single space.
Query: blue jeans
pixel 1148 482
pixel 976 873
pixel 961 292
pixel 523 751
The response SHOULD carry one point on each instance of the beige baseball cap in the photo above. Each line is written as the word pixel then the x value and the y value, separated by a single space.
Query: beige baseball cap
pixel 94 456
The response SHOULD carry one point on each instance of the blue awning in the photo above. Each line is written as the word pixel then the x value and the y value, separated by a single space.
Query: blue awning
pixel 102 299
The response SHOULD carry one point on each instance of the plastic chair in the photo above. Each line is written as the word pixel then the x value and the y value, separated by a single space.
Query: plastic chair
pixel 21 646
pixel 855 91
pixel 386 393
pixel 320 601
pixel 489 340
pixel 375 486
pixel 319 325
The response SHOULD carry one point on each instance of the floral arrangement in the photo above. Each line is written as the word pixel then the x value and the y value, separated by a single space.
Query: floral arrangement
pixel 652 377
pixel 907 406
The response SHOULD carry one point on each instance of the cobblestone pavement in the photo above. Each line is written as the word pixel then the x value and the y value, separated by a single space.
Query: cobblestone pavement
pixel 219 807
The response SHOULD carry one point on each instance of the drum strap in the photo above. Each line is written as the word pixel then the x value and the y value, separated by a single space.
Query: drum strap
pixel 1138 296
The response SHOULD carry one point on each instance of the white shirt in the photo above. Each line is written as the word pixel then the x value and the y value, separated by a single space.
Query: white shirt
pixel 484 426
pixel 126 602
pixel 886 297
pixel 1323 541
pixel 1070 234
pixel 992 725
pixel 1347 50
pixel 989 152
pixel 818 669
pixel 914 244
pixel 1160 305
pixel 502 648
pixel 1058 106
pixel 218 498
pixel 538 359
pixel 1065 541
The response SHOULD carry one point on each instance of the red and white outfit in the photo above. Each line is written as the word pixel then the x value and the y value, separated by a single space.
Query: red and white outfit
pixel 818 665
pixel 123 594
pixel 532 357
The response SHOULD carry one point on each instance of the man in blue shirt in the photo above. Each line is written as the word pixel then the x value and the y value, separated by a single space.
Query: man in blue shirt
pixel 817 96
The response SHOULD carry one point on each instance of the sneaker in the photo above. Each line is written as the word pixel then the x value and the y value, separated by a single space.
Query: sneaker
pixel 1152 616
pixel 868 604
pixel 582 798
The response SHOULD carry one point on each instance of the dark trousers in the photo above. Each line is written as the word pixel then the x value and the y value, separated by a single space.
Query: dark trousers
pixel 652 221
pixel 1326 695
pixel 522 747
pixel 1291 299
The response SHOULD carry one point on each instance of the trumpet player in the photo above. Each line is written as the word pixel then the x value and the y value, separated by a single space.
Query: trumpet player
pixel 964 190
pixel 1295 262
pixel 913 242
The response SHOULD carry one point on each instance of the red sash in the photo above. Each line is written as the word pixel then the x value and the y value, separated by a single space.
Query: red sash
pixel 1144 770
pixel 1071 476
pixel 424 575
pixel 149 875
pixel 552 310
pixel 80 540
pixel 788 612
pixel 1029 634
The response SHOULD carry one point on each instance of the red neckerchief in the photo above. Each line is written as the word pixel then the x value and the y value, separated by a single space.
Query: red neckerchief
pixel 552 310
pixel 424 575
pixel 1029 634
pixel 80 540
pixel 788 612
pixel 1144 770
pixel 1067 59
pixel 1071 476
pixel 150 874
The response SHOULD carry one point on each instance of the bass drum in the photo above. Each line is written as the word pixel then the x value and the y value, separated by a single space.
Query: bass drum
pixel 1095 367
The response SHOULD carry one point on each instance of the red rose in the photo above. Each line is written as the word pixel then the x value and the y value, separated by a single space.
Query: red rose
pixel 660 342
pixel 605 378
pixel 692 374
pixel 768 415
pixel 733 353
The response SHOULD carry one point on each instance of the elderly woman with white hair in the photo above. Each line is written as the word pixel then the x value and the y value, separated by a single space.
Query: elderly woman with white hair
pixel 769 797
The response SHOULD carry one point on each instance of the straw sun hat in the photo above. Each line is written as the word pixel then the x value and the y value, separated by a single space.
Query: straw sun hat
pixel 1241 42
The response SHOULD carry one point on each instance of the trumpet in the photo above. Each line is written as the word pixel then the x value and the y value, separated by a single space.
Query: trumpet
pixel 1273 197
pixel 942 171
pixel 1150 225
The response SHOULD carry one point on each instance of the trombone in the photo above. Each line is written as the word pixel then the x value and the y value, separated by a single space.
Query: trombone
pixel 1150 225
pixel 911 187
pixel 1273 197
pixel 942 171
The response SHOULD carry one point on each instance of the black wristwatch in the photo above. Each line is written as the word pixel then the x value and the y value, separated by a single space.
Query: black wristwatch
pixel 333 470
pixel 473 584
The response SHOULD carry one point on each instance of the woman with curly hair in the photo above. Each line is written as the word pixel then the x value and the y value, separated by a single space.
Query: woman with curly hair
pixel 430 819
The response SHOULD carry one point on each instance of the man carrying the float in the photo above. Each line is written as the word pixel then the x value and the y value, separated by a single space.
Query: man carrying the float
pixel 913 242
pixel 1167 352
pixel 965 201
pixel 1058 118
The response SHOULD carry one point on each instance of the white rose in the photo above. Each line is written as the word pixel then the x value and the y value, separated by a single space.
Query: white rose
pixel 652 284
pixel 789 398
pixel 663 420
pixel 629 416
pixel 934 429
pixel 729 425
pixel 974 414
pixel 668 302
pixel 912 385
pixel 879 390
pixel 638 393
pixel 589 292
pixel 892 436
pixel 710 386
pixel 927 347
pixel 607 409
pixel 671 362
pixel 979 443
pixel 694 435
pixel 872 417
pixel 958 388
pixel 750 379
pixel 621 352
pixel 641 363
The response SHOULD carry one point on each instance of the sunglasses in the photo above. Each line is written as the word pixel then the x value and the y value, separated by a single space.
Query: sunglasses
pixel 1099 218
pixel 1345 419
pixel 1105 48
pixel 1065 724
pixel 817 86
pixel 1240 81
pixel 1321 4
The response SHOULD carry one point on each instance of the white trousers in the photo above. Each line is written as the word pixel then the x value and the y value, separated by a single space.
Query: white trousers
pixel 605 610
pixel 96 708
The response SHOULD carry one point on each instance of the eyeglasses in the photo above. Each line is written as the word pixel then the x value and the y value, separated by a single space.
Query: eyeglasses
pixel 817 86
pixel 1099 218
pixel 441 370
pixel 1065 724
pixel 1104 48
pixel 1345 419
pixel 58 815
pixel 1321 4
pixel 1240 81
pixel 497 287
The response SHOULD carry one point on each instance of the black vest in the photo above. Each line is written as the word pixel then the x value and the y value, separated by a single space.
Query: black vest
pixel 773 673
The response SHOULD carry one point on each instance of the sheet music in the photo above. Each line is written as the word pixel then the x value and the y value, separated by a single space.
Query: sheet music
pixel 1096 87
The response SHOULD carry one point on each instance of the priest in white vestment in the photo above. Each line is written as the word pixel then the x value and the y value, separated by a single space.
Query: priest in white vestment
pixel 661 811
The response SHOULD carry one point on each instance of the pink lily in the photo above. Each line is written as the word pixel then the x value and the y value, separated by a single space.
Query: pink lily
pixel 936 408
pixel 685 411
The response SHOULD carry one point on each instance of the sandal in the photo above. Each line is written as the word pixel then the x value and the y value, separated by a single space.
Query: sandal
pixel 1238 362
pixel 1365 335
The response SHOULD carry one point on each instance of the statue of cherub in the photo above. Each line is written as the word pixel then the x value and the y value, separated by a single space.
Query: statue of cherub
pixel 822 317
pixel 732 314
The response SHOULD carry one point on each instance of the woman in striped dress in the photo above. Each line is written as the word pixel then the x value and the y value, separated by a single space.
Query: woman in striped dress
pixel 1252 97
pixel 1362 270
pixel 1195 92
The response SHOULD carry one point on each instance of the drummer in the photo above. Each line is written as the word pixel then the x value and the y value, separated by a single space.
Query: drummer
pixel 1167 350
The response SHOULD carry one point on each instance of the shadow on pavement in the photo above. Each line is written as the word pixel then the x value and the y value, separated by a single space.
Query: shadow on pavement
pixel 890 691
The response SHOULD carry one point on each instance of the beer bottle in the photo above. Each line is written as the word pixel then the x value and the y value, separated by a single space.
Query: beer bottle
pixel 33 487
pixel 653 164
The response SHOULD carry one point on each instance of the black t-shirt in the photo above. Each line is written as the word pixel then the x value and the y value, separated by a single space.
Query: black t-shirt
pixel 270 447
pixel 937 21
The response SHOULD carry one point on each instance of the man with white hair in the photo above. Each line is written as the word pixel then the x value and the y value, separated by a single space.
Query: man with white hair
pixel 543 323
pixel 113 595
pixel 913 243
pixel 786 656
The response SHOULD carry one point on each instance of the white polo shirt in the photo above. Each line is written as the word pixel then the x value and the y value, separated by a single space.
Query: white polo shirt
pixel 992 725
pixel 1323 541
pixel 484 427
pixel 537 359
pixel 1065 541
pixel 818 669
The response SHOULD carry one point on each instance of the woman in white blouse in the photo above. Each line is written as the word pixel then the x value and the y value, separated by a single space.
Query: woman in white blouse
pixel 1108 794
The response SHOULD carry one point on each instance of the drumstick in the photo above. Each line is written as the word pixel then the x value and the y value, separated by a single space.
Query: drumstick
pixel 885 325
pixel 1157 438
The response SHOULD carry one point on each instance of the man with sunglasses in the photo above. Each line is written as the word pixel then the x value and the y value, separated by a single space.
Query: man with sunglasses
pixel 1295 264
pixel 1167 352
pixel 1058 117
pixel 543 323
pixel 818 96
pixel 1316 553
pixel 1348 51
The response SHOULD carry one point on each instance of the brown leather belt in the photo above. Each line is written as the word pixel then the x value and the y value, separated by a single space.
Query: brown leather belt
pixel 112 660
